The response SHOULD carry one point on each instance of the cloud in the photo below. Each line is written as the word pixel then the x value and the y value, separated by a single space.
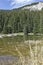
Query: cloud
pixel 14 3
pixel 19 1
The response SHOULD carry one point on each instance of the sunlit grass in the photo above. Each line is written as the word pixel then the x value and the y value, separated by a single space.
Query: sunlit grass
pixel 29 54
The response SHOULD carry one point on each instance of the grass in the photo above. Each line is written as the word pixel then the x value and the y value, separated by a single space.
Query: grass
pixel 7 45
pixel 29 54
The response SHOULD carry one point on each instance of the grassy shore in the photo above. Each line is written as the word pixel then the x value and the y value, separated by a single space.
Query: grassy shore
pixel 7 45
pixel 30 49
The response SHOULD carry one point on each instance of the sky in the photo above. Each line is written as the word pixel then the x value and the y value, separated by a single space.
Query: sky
pixel 11 4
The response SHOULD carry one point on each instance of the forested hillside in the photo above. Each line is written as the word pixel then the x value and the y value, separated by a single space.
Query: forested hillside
pixel 14 21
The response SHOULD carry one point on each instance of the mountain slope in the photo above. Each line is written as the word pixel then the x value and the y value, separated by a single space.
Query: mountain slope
pixel 34 7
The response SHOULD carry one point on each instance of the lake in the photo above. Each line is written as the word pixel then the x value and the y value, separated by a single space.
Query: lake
pixel 8 60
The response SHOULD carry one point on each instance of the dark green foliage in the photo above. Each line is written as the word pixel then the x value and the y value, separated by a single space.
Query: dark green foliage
pixel 25 32
pixel 8 30
pixel 14 21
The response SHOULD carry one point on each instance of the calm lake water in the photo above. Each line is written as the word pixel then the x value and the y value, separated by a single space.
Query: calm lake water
pixel 7 60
